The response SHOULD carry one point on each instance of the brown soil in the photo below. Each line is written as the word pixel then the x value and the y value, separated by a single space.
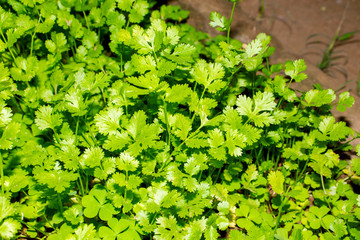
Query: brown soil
pixel 290 23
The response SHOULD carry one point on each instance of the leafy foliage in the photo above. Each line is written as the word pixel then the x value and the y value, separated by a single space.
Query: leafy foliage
pixel 119 121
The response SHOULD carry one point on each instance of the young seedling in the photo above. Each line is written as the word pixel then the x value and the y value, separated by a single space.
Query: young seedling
pixel 221 23
pixel 330 56
pixel 261 8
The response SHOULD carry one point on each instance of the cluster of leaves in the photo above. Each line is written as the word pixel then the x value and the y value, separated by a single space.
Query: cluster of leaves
pixel 117 121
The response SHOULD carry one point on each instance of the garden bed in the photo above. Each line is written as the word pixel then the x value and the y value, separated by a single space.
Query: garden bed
pixel 118 120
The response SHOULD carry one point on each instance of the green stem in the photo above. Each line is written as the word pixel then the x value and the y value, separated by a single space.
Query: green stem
pixel 322 183
pixel 127 24
pixel 74 42
pixel 268 155
pixel 202 95
pixel 188 137
pixel 48 222
pixel 277 161
pixel 178 147
pixel 126 104
pixel 86 183
pixel 218 175
pixel 5 41
pixel 337 148
pixel 60 203
pixel 323 187
pixel 76 130
pixel 154 218
pixel 56 136
pixel 167 124
pixel 155 56
pixel 2 175
pixel 328 52
pixel 302 172
pixel 32 43
pixel 253 82
pixel 267 64
pixel 81 185
pixel 33 37
pixel 126 179
pixel 200 175
pixel 279 214
pixel 103 96
pixel 231 18
pixel 280 208
pixel 258 156
pixel 35 228
pixel 229 80
pixel 282 99
pixel 86 21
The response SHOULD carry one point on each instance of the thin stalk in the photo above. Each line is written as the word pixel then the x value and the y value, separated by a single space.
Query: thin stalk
pixel 86 21
pixel 76 130
pixel 229 80
pixel 268 155
pixel 279 214
pixel 48 222
pixel 337 148
pixel 121 59
pixel 282 99
pixel 322 183
pixel 323 187
pixel 277 161
pixel 33 37
pixel 297 170
pixel 178 147
pixel 267 64
pixel 56 137
pixel 92 135
pixel 302 172
pixel 32 43
pixel 60 203
pixel 210 173
pixel 189 137
pixel 126 180
pixel 231 18
pixel 35 228
pixel 126 104
pixel 86 183
pixel 78 185
pixel 327 54
pixel 103 96
pixel 5 41
pixel 127 25
pixel 253 82
pixel 200 175
pixel 2 175
pixel 81 185
pixel 74 42
pixel 167 124
pixel 154 218
pixel 155 56
pixel 202 95
pixel 218 175
pixel 280 209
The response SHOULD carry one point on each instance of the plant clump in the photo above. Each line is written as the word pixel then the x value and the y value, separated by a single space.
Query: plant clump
pixel 120 121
